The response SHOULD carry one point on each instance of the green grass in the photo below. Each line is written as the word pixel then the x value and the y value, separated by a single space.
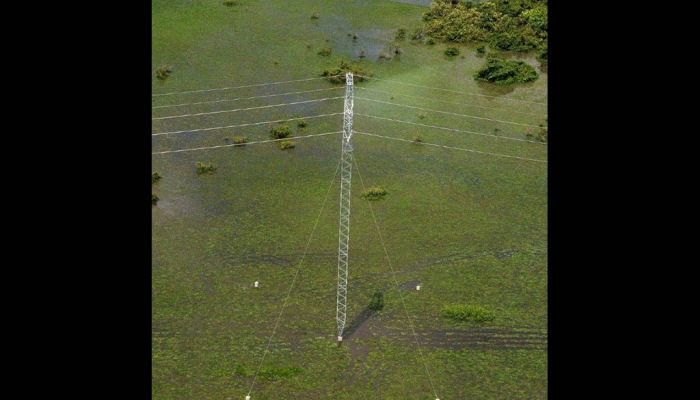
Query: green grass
pixel 470 227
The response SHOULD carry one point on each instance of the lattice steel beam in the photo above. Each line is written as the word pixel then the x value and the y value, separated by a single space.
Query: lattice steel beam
pixel 344 228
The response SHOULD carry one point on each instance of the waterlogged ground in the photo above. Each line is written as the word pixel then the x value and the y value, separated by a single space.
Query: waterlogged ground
pixel 466 219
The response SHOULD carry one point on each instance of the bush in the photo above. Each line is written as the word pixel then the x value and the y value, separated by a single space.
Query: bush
pixel 468 313
pixel 481 49
pixel 279 131
pixel 542 55
pixel 315 15
pixel 155 178
pixel 418 34
pixel 287 144
pixel 325 52
pixel 164 71
pixel 337 74
pixel 384 55
pixel 231 2
pixel 154 199
pixel 302 123
pixel 416 138
pixel 374 193
pixel 400 33
pixel 451 51
pixel 239 140
pixel 506 72
pixel 203 168
pixel 377 302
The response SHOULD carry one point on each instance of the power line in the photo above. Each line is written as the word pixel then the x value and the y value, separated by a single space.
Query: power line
pixel 403 303
pixel 246 109
pixel 284 304
pixel 247 143
pixel 240 125
pixel 450 129
pixel 455 91
pixel 235 87
pixel 453 148
pixel 445 112
pixel 448 102
pixel 244 98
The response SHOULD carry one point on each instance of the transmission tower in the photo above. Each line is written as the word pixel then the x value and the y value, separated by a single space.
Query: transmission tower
pixel 344 229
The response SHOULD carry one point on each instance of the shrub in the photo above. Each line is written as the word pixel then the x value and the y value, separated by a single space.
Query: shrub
pixel 231 2
pixel 506 72
pixel 287 144
pixel 384 55
pixel 239 140
pixel 430 41
pixel 203 168
pixel 164 71
pixel 418 34
pixel 468 313
pixel 481 49
pixel 315 15
pixel 337 74
pixel 374 193
pixel 451 51
pixel 400 33
pixel 523 40
pixel 279 131
pixel 324 52
pixel 542 135
pixel 154 199
pixel 416 138
pixel 302 123
pixel 377 302
pixel 155 178
pixel 542 55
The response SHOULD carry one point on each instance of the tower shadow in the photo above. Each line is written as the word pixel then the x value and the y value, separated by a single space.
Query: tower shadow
pixel 358 321
pixel 376 304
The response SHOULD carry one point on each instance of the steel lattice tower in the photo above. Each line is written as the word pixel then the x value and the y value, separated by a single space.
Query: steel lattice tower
pixel 344 228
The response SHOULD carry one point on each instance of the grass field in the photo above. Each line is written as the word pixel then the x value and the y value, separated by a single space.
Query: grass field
pixel 466 221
